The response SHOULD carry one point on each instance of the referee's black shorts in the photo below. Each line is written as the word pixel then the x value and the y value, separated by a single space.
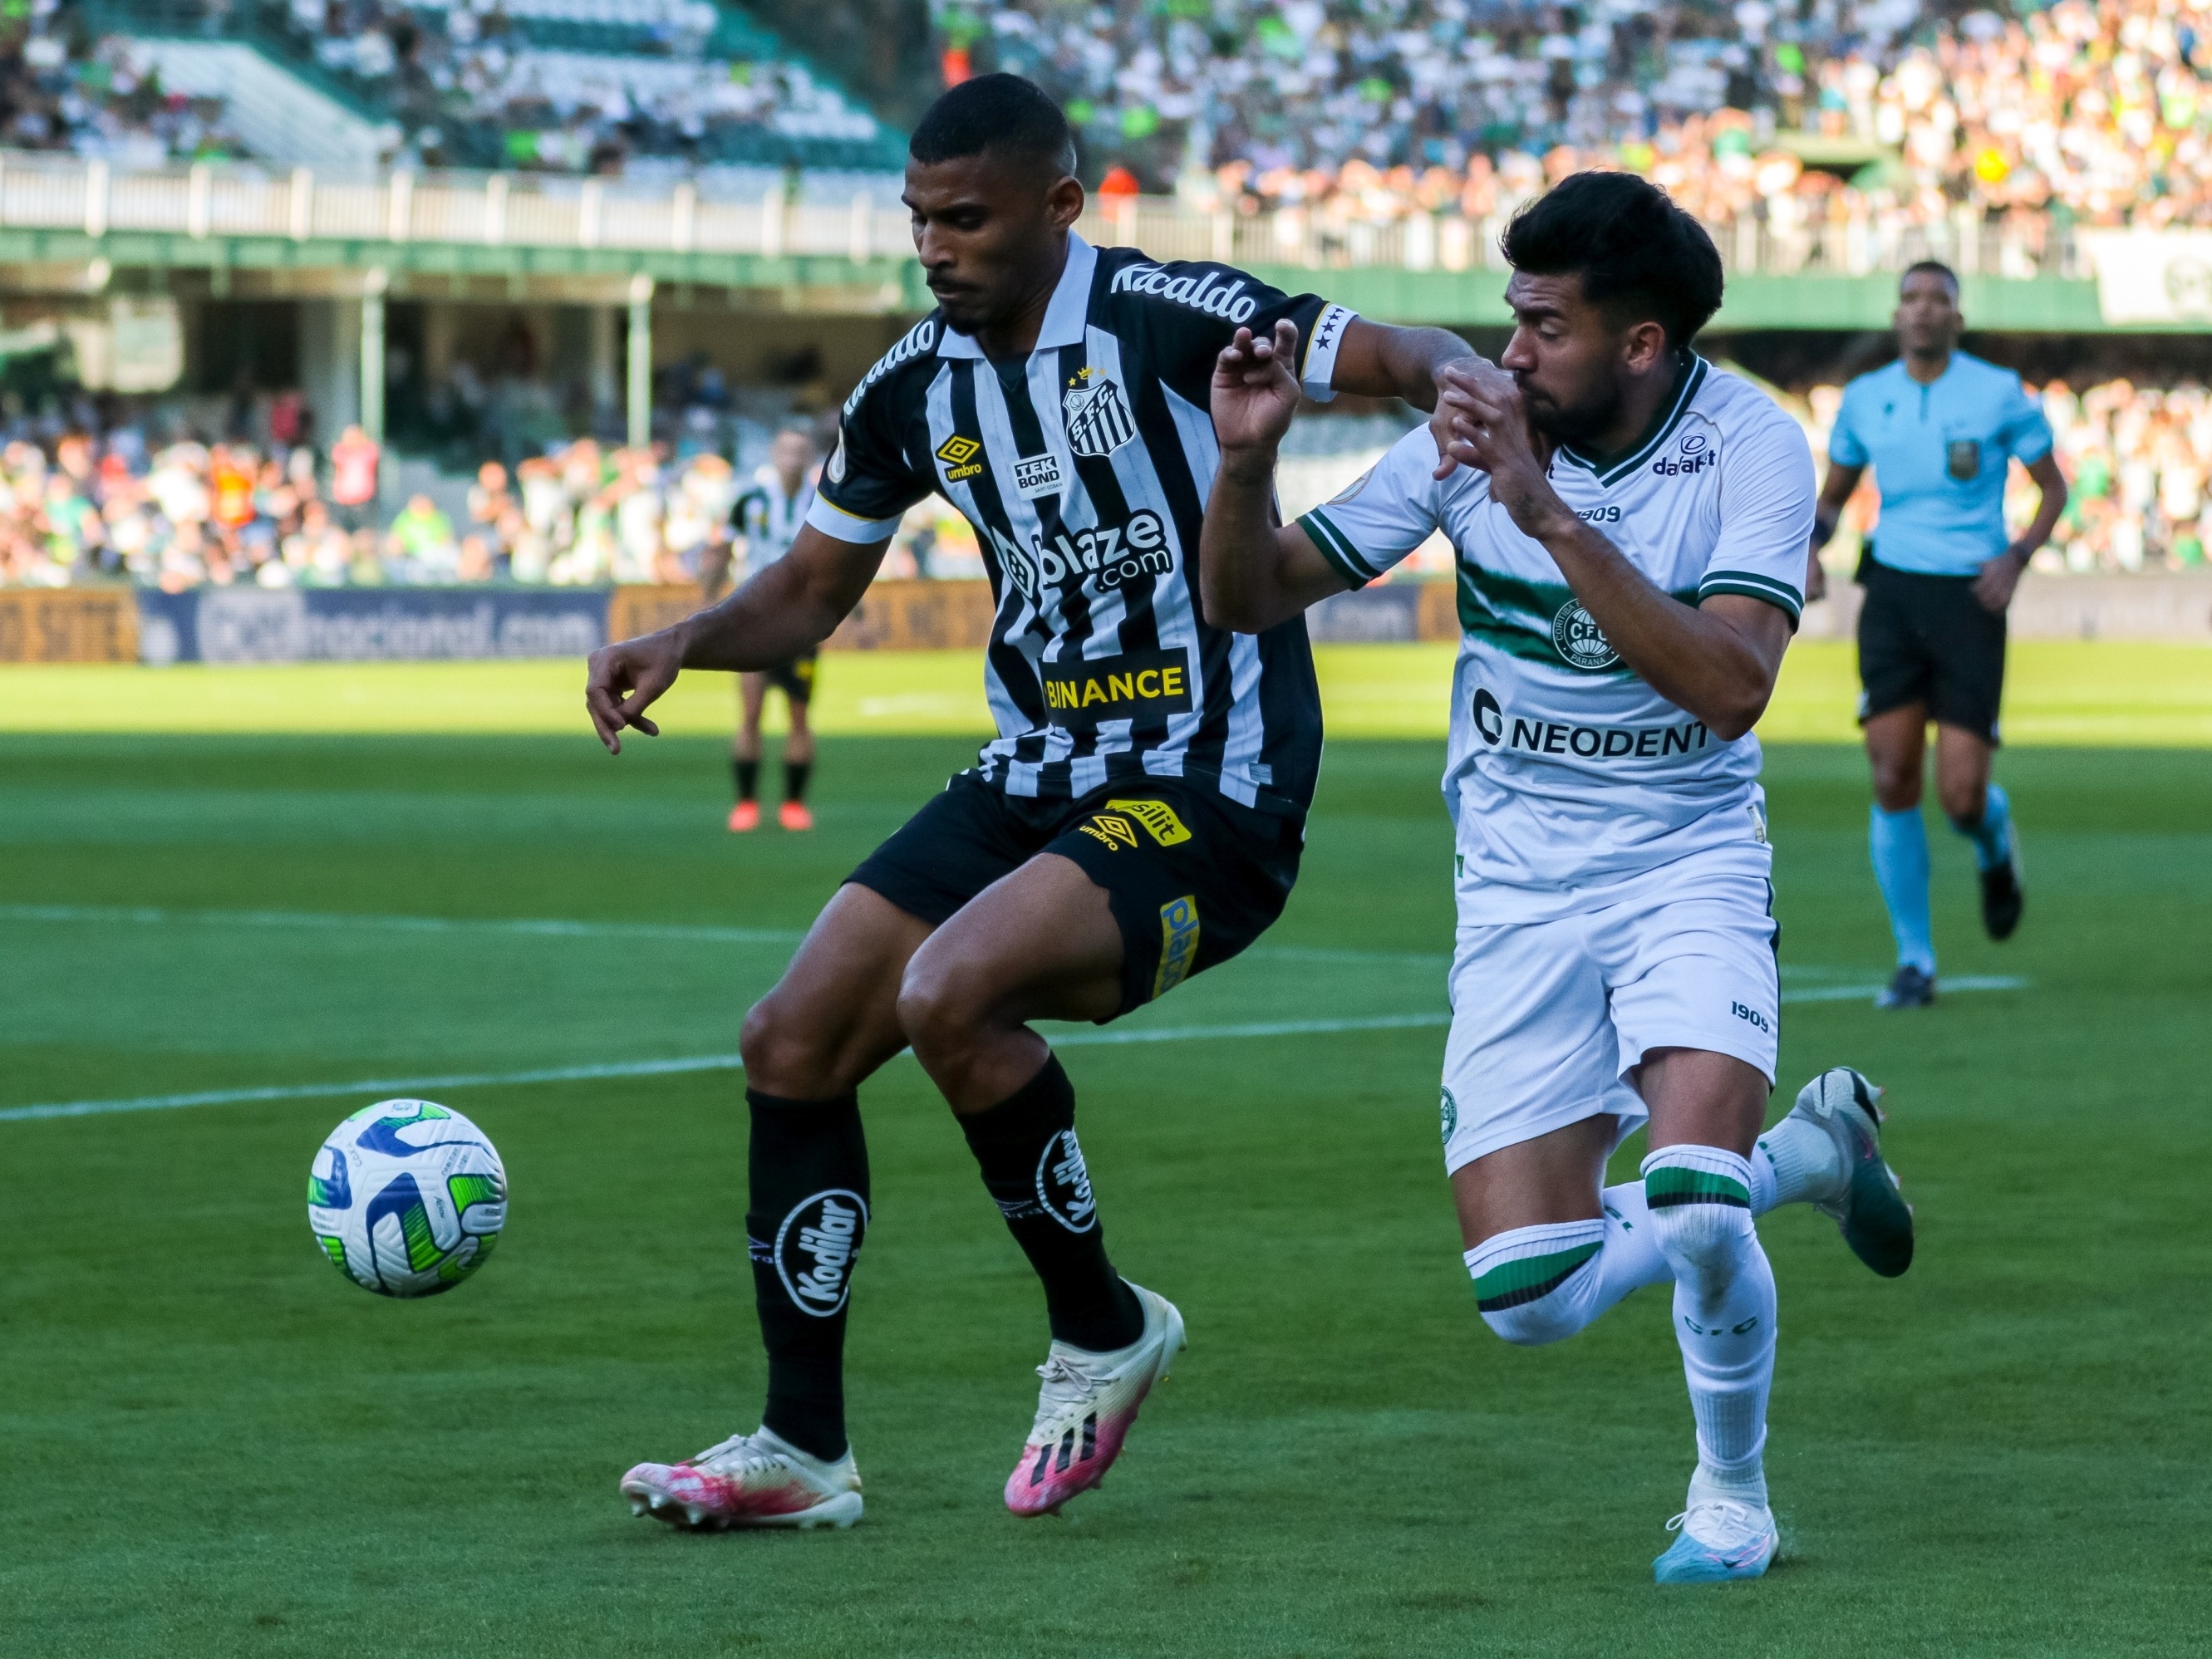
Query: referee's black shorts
pixel 1193 879
pixel 1928 639
pixel 795 679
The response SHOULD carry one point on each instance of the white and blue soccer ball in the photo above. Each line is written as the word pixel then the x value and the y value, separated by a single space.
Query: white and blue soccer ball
pixel 407 1198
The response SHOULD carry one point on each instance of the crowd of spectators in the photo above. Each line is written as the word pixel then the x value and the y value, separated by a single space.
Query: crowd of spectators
pixel 577 85
pixel 63 89
pixel 191 513
pixel 565 86
pixel 2099 111
pixel 75 508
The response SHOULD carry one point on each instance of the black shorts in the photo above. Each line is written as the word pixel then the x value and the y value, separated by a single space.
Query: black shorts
pixel 1928 639
pixel 1193 879
pixel 795 679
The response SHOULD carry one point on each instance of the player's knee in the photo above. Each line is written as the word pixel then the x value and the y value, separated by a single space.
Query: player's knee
pixel 939 1008
pixel 1538 1285
pixel 1533 1324
pixel 785 1052
pixel 1964 804
pixel 1897 789
pixel 1700 1198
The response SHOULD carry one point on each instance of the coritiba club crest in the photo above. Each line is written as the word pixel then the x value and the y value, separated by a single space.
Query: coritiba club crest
pixel 1098 418
pixel 1579 640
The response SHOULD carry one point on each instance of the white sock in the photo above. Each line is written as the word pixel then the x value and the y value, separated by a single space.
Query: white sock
pixel 1795 1163
pixel 1700 1200
pixel 1538 1285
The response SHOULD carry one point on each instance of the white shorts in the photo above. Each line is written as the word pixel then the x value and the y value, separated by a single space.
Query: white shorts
pixel 1548 1017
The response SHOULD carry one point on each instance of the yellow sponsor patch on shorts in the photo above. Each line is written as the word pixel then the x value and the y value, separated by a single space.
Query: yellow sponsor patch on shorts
pixel 1178 944
pixel 1158 818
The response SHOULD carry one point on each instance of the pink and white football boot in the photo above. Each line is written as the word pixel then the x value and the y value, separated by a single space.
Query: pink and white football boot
pixel 1085 1407
pixel 756 1480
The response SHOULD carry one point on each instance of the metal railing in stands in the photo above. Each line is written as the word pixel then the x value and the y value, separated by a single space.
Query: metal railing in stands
pixel 44 190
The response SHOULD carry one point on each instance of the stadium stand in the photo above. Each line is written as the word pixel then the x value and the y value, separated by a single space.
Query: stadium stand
pixel 1834 137
pixel 1835 110
pixel 564 86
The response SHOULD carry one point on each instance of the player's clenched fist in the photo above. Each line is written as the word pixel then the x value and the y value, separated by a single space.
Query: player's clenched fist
pixel 623 680
pixel 1491 433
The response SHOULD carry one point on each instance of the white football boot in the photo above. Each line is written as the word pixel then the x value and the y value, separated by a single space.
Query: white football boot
pixel 1085 1407
pixel 1726 1532
pixel 1875 1220
pixel 756 1480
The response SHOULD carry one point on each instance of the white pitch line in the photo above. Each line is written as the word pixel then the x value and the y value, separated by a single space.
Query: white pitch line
pixel 340 921
pixel 1074 1039
pixel 313 922
pixel 1868 993
pixel 405 1086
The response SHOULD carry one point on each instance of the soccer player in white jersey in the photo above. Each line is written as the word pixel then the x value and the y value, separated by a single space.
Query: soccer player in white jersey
pixel 1630 526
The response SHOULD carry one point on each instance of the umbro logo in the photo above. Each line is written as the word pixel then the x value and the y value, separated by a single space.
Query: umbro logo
pixel 958 454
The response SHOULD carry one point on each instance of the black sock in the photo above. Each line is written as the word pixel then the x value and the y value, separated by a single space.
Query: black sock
pixel 809 1167
pixel 1033 1168
pixel 794 779
pixel 747 772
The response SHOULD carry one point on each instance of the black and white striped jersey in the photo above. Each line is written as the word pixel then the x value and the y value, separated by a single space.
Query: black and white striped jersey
pixel 1083 469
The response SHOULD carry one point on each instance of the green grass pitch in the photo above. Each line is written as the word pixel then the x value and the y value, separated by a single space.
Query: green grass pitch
pixel 213 1445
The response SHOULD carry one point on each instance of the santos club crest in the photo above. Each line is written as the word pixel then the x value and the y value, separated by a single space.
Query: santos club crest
pixel 1098 418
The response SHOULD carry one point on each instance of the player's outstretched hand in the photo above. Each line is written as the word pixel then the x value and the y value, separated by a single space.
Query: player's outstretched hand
pixel 1255 392
pixel 623 680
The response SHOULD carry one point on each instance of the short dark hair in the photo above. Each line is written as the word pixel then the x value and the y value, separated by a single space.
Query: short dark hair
pixel 1929 268
pixel 1633 248
pixel 1002 112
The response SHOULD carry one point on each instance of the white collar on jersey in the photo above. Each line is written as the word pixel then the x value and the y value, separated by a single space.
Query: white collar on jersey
pixel 1065 318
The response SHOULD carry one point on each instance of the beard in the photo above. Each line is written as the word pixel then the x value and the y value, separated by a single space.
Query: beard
pixel 1572 424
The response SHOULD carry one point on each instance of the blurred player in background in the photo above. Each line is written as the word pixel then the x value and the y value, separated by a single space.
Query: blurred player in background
pixel 1629 524
pixel 1941 429
pixel 764 523
pixel 1138 819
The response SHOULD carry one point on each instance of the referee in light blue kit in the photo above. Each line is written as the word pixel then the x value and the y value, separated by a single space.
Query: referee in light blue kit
pixel 1941 429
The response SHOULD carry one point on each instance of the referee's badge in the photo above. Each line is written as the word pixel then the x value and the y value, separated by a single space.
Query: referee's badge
pixel 1964 456
pixel 1098 418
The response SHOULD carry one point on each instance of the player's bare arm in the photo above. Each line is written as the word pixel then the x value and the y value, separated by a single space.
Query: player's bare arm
pixel 782 613
pixel 1994 585
pixel 1827 513
pixel 1717 660
pixel 1253 572
pixel 1378 361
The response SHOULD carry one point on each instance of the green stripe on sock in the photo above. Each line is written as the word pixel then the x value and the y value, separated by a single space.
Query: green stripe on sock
pixel 1672 1183
pixel 1509 1284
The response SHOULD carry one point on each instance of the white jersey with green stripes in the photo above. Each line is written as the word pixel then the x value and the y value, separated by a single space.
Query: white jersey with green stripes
pixel 1567 773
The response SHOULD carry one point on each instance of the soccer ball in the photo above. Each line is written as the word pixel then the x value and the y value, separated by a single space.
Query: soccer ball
pixel 407 1198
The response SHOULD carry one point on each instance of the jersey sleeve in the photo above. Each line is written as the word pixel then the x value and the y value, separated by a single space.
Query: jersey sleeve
pixel 1845 448
pixel 2026 434
pixel 1383 515
pixel 1767 516
pixel 867 483
pixel 1193 308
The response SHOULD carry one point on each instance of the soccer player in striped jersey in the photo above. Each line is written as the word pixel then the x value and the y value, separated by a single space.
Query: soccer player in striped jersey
pixel 1138 819
pixel 1630 524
